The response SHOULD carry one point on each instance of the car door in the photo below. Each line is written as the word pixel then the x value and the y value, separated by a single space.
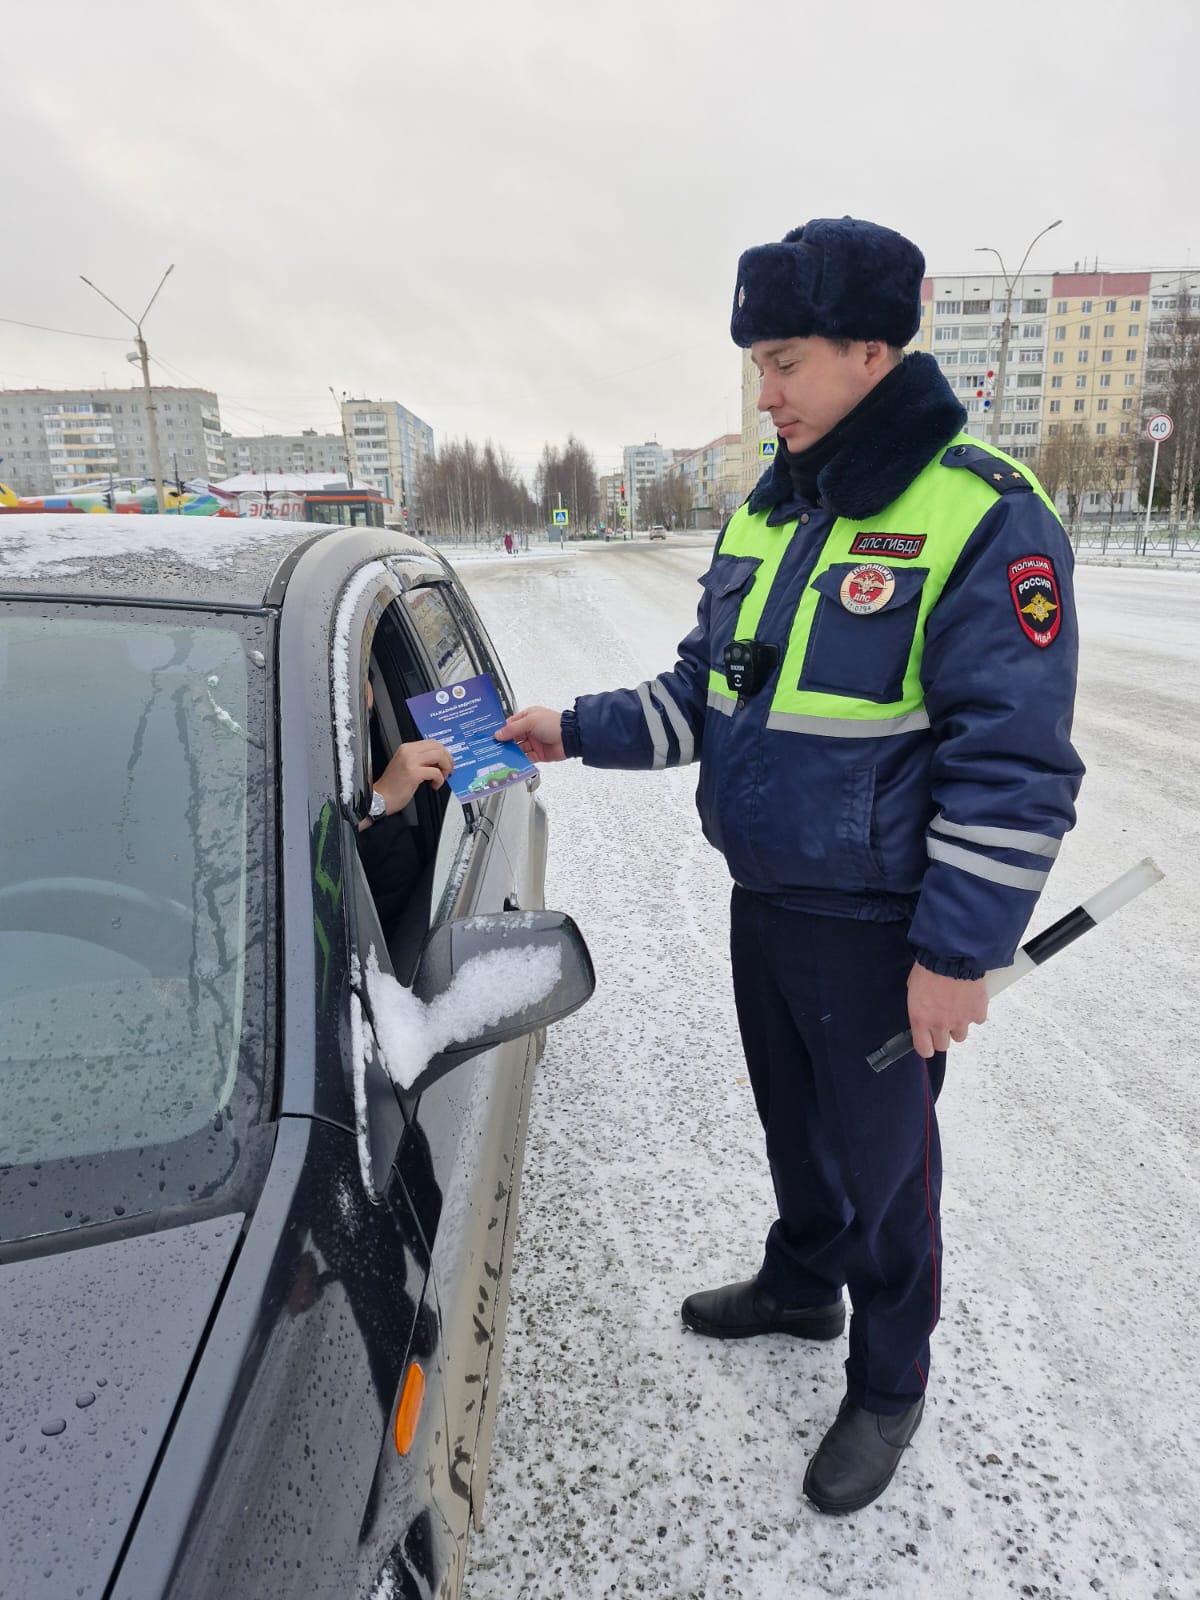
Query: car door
pixel 458 1154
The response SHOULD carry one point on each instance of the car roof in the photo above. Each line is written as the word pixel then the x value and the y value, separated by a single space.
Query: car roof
pixel 218 561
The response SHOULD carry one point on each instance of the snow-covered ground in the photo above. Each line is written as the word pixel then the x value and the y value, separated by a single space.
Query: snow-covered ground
pixel 1060 1452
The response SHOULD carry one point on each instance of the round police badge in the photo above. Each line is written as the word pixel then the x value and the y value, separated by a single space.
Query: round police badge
pixel 867 589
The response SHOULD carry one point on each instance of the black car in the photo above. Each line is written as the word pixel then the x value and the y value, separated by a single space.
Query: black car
pixel 256 1210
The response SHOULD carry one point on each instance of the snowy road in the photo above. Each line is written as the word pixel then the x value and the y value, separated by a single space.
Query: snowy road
pixel 1060 1453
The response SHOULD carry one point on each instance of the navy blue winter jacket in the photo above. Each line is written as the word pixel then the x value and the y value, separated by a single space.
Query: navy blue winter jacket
pixel 954 824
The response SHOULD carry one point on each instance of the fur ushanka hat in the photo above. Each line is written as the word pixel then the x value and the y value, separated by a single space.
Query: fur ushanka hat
pixel 836 277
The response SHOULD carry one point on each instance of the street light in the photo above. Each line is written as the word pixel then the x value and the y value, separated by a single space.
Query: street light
pixel 1006 328
pixel 345 437
pixel 143 356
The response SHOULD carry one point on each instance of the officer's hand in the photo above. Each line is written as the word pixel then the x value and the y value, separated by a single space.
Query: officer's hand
pixel 941 1009
pixel 538 731
pixel 420 761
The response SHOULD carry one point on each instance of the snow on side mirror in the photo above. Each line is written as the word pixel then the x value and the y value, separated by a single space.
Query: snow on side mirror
pixel 480 981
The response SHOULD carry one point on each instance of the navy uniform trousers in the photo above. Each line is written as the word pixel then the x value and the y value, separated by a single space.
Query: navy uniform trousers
pixel 854 1154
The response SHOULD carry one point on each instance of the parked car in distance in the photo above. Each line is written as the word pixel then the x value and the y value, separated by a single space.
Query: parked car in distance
pixel 658 531
pixel 256 1218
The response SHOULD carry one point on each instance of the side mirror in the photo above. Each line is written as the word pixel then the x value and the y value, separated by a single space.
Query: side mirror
pixel 451 945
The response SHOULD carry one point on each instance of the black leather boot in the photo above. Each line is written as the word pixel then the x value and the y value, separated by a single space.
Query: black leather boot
pixel 855 1460
pixel 740 1310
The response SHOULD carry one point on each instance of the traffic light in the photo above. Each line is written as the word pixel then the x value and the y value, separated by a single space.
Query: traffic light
pixel 622 491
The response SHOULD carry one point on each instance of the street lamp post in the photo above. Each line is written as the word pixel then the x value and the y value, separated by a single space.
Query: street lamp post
pixel 341 410
pixel 143 355
pixel 1006 327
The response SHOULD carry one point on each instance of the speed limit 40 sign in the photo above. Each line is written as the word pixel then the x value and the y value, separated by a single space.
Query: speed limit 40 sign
pixel 1160 428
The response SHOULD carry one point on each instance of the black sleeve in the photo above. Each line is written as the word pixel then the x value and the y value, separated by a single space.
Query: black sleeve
pixel 392 862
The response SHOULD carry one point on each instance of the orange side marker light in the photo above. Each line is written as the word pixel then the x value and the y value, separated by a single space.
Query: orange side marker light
pixel 408 1412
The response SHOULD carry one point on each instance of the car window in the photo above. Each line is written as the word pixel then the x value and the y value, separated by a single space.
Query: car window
pixel 426 637
pixel 482 647
pixel 441 633
pixel 132 859
pixel 455 657
pixel 409 858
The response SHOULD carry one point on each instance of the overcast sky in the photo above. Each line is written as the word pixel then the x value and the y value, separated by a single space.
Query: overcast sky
pixel 523 218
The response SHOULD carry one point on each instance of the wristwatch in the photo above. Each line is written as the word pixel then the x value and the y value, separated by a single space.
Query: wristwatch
pixel 378 806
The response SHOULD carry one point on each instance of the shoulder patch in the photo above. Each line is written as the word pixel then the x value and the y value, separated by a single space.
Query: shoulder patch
pixel 1033 585
pixel 1000 474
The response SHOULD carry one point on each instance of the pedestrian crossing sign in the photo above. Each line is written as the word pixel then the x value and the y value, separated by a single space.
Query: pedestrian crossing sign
pixel 561 516
pixel 766 448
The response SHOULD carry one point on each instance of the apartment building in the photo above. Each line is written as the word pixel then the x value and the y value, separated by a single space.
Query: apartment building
pixel 646 465
pixel 81 443
pixel 1097 351
pixel 388 446
pixel 613 510
pixel 308 452
pixel 962 319
pixel 1174 295
pixel 54 440
pixel 712 476
pixel 757 429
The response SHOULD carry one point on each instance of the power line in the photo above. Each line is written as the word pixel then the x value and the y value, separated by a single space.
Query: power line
pixel 29 377
pixel 71 333
pixel 246 413
pixel 232 405
pixel 607 377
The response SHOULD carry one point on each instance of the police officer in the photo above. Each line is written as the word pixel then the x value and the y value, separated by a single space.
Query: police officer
pixel 879 692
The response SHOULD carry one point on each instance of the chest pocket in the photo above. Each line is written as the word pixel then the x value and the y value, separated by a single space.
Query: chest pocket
pixel 865 655
pixel 727 581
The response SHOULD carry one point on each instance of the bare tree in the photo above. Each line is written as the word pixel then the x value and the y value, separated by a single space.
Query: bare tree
pixel 1173 385
pixel 669 502
pixel 568 477
pixel 1051 462
pixel 546 479
pixel 1066 466
pixel 1183 405
pixel 579 469
pixel 475 492
pixel 1111 460
pixel 468 492
pixel 1078 471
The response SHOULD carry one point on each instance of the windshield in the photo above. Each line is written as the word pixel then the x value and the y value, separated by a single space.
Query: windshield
pixel 131 906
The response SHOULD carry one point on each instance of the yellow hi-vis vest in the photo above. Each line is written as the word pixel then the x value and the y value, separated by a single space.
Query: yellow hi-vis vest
pixel 931 522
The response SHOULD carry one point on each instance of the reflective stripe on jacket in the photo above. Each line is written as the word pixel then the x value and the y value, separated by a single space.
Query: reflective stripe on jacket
pixel 908 755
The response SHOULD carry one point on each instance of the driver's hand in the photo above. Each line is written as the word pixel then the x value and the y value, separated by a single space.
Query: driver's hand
pixel 415 763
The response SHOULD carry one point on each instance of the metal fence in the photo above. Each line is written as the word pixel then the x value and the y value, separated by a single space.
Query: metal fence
pixel 1131 539
pixel 1091 536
